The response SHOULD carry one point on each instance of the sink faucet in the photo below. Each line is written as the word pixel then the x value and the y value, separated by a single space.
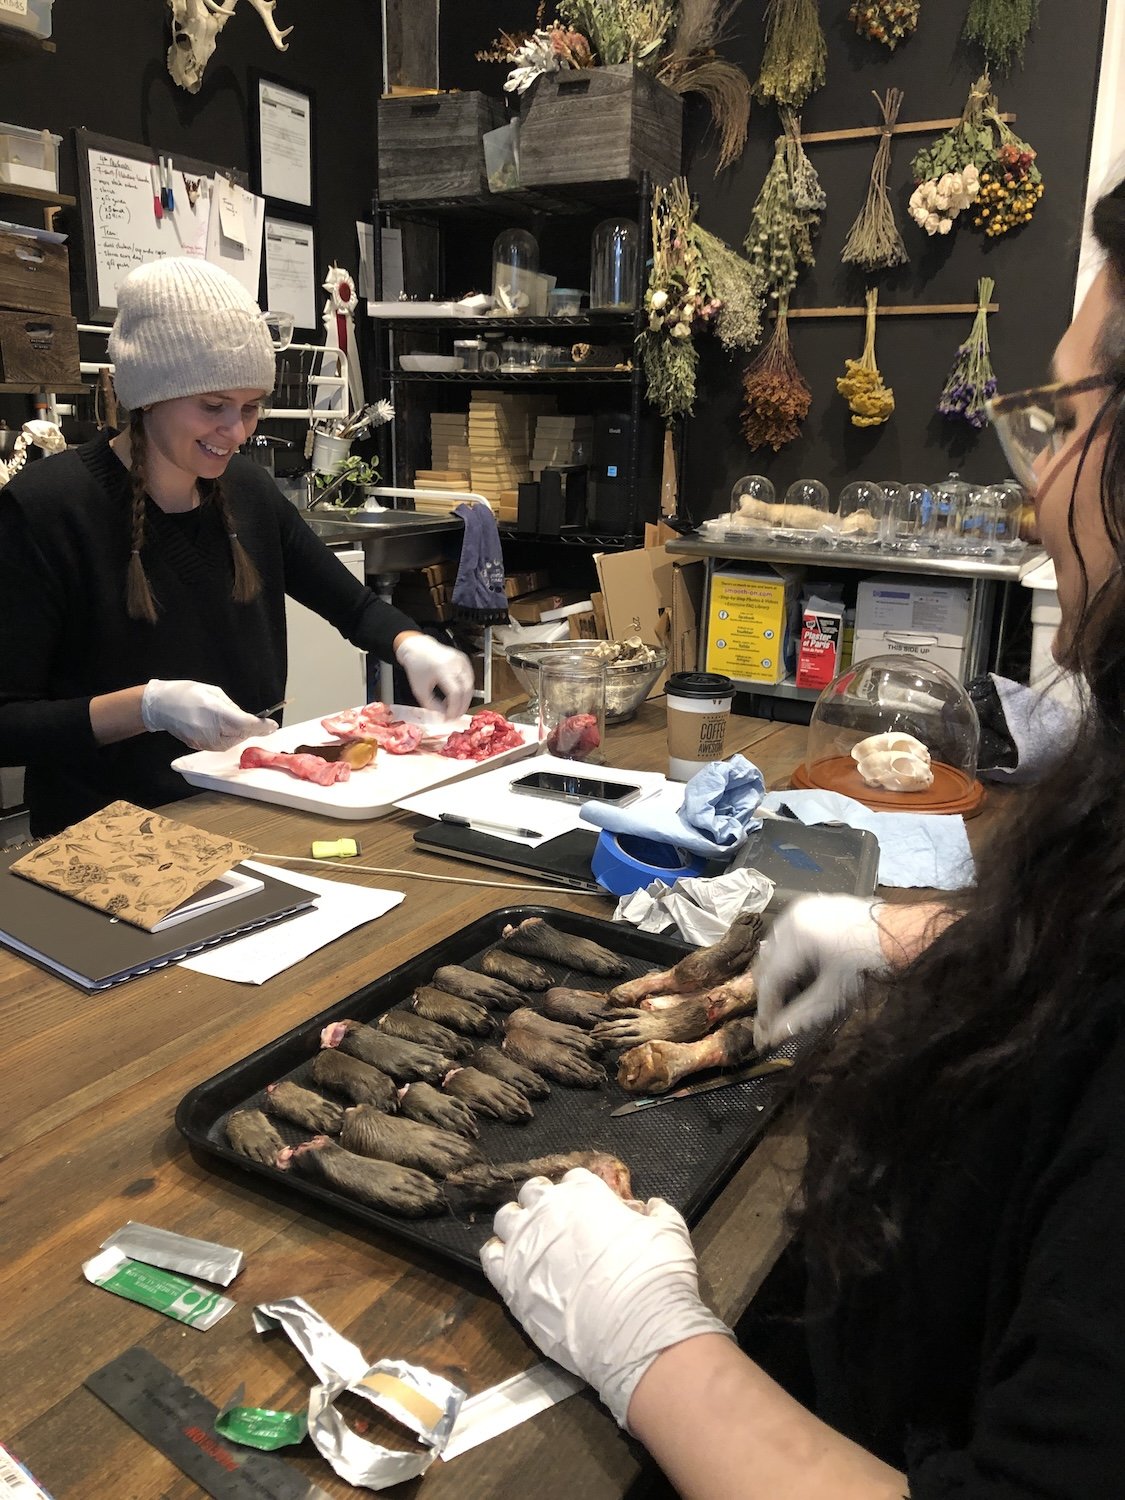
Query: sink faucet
pixel 321 497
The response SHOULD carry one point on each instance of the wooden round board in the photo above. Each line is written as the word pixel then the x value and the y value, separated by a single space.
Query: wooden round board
pixel 952 791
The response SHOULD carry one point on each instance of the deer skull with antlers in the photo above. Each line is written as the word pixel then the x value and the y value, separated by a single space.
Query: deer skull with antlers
pixel 195 30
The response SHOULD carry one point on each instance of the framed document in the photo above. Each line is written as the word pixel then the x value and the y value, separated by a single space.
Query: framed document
pixel 291 271
pixel 283 144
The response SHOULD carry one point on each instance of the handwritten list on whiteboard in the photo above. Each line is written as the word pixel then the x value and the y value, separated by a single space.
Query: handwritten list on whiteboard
pixel 127 232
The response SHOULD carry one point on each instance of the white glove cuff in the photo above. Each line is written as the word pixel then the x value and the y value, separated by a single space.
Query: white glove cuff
pixel 617 1390
pixel 152 688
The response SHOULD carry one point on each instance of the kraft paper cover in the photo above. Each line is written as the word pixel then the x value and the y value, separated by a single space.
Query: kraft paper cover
pixel 130 863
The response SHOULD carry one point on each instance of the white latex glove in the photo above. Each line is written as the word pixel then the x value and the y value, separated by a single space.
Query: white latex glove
pixel 813 965
pixel 440 678
pixel 199 714
pixel 600 1285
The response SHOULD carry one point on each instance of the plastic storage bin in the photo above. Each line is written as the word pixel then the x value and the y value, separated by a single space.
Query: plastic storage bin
pixel 29 158
pixel 33 16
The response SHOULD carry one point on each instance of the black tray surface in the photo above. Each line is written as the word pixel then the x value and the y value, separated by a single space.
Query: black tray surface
pixel 684 1151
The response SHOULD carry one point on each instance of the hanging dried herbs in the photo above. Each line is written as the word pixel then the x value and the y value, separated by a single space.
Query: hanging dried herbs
pixel 738 288
pixel 1000 28
pixel 793 63
pixel 775 398
pixel 621 30
pixel 971 383
pixel 886 21
pixel 679 298
pixel 874 241
pixel 870 401
pixel 1011 185
pixel 692 65
pixel 786 213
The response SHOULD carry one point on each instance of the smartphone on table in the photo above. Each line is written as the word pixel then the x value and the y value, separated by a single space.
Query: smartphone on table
pixel 566 788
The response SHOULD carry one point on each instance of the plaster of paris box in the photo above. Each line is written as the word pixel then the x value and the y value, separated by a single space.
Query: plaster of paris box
pixel 750 624
pixel 819 655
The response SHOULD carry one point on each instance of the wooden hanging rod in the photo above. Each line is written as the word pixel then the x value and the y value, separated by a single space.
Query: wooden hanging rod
pixel 871 132
pixel 896 309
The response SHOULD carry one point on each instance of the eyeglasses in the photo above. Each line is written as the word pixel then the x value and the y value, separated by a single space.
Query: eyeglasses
pixel 1040 421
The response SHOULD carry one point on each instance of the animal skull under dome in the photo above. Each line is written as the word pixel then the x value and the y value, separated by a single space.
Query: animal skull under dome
pixel 195 30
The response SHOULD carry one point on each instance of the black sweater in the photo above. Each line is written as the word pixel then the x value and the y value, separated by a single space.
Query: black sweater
pixel 989 1362
pixel 65 636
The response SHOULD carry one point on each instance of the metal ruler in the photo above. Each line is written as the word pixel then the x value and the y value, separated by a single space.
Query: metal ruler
pixel 177 1420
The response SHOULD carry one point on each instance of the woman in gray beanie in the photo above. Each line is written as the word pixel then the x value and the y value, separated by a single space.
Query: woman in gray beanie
pixel 143 576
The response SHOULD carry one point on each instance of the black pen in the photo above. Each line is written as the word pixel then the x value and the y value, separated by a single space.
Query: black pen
pixel 484 826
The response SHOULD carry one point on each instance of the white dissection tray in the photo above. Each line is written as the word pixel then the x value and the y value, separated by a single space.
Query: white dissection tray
pixel 368 793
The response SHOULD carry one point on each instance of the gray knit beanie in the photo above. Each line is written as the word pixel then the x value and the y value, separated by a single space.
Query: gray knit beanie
pixel 185 327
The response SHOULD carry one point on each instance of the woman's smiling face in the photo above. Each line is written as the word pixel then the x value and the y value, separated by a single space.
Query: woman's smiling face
pixel 196 435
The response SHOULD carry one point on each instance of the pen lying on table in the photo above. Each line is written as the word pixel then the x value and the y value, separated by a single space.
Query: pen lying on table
pixel 484 825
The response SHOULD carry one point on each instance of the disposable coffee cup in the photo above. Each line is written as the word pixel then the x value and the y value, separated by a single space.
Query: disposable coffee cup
pixel 699 706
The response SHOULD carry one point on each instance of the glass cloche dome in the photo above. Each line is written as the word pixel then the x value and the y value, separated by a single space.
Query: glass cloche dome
pixel 897 733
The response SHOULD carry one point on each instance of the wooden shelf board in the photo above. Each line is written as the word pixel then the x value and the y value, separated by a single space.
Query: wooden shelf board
pixel 894 309
pixel 37 195
pixel 872 132
pixel 29 388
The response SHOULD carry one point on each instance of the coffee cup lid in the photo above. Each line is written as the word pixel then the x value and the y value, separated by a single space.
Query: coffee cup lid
pixel 699 685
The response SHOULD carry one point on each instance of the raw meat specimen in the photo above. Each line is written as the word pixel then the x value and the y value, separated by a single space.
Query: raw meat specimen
pixel 498 1064
pixel 355 1079
pixel 575 737
pixel 656 1067
pixel 488 734
pixel 701 970
pixel 404 1061
pixel 562 1053
pixel 368 1132
pixel 450 1010
pixel 412 1028
pixel 421 1101
pixel 735 998
pixel 538 939
pixel 374 722
pixel 488 1184
pixel 685 1022
pixel 289 1101
pixel 304 767
pixel 381 1184
pixel 252 1135
pixel 488 1096
pixel 577 1007
pixel 514 970
pixel 492 993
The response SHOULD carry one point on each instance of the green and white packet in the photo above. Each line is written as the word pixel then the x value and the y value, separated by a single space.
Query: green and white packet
pixel 163 1291
pixel 259 1426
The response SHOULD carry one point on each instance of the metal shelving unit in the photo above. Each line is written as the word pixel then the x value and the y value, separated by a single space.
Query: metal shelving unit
pixel 513 377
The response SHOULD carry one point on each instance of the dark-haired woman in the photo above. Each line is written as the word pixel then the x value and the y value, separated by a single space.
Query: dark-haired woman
pixel 962 1214
pixel 143 577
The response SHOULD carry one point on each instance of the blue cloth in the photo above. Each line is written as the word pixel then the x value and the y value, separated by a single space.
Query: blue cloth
pixel 915 849
pixel 718 809
pixel 478 593
pixel 1042 728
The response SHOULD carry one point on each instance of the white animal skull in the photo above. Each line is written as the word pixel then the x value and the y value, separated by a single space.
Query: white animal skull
pixel 895 762
pixel 195 30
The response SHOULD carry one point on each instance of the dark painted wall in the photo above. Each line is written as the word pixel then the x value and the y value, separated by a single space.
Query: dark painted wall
pixel 1034 270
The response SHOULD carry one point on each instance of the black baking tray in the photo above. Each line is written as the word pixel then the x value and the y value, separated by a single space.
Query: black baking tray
pixel 684 1151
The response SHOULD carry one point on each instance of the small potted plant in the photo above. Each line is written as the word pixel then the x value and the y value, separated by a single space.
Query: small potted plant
pixel 359 474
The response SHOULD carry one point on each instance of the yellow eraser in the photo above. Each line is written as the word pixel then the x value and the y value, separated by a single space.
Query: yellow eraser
pixel 334 849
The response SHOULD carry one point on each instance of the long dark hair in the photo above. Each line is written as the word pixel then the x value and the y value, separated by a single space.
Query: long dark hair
pixel 139 598
pixel 1042 930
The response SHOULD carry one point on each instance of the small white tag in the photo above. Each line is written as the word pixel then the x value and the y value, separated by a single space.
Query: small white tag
pixel 232 220
pixel 16 7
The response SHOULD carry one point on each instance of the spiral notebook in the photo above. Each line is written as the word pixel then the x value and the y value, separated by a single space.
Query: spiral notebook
pixel 93 951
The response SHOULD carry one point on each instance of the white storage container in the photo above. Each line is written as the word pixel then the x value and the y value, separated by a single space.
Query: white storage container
pixel 27 15
pixel 29 158
pixel 900 615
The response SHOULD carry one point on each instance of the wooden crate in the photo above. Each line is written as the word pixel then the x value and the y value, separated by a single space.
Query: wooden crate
pixel 600 125
pixel 37 346
pixel 431 147
pixel 33 275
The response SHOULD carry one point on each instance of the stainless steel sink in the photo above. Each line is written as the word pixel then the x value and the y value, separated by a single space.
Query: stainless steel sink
pixel 393 541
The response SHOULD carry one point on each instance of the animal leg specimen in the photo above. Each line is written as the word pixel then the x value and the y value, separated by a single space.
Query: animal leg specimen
pixel 656 1067
pixel 701 970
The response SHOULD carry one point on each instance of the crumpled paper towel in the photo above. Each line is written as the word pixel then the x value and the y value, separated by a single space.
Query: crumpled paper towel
pixel 716 811
pixel 698 909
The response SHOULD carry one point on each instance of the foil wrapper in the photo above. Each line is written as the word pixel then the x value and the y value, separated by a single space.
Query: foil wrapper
pixel 424 1403
pixel 176 1252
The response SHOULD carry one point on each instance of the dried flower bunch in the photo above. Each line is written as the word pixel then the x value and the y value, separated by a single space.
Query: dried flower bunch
pixel 679 298
pixel 971 383
pixel 1010 186
pixel 691 64
pixel 549 49
pixel 874 241
pixel 793 63
pixel 870 401
pixel 775 398
pixel 786 213
pixel 621 30
pixel 1000 28
pixel 886 21
pixel 738 287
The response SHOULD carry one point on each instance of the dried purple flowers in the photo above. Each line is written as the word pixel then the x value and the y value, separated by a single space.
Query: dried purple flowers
pixel 971 383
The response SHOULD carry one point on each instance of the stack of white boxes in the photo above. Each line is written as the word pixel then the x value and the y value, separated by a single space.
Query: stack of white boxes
pixel 913 616
pixel 449 455
pixel 500 428
pixel 561 441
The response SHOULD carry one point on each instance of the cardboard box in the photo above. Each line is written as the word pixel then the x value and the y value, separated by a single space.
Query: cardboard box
pixel 689 582
pixel 820 650
pixel 529 610
pixel 530 581
pixel 939 649
pixel 897 616
pixel 583 626
pixel 750 622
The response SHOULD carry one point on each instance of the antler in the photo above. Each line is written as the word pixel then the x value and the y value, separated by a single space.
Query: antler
pixel 226 9
pixel 265 9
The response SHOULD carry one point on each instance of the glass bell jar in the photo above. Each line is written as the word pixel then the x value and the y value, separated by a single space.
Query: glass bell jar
pixel 911 524
pixel 753 505
pixel 951 501
pixel 806 513
pixel 614 247
pixel 862 507
pixel 897 733
pixel 982 521
pixel 515 272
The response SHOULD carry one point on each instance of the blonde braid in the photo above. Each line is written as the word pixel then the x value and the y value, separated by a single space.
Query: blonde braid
pixel 247 579
pixel 139 601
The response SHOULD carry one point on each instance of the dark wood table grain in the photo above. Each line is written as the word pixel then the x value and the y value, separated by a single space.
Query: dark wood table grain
pixel 87 1141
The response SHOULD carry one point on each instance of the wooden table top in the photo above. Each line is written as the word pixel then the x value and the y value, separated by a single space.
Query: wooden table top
pixel 92 1083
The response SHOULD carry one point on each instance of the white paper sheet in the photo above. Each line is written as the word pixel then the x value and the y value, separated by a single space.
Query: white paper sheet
pixel 291 271
pixel 244 262
pixel 338 908
pixel 285 141
pixel 488 799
